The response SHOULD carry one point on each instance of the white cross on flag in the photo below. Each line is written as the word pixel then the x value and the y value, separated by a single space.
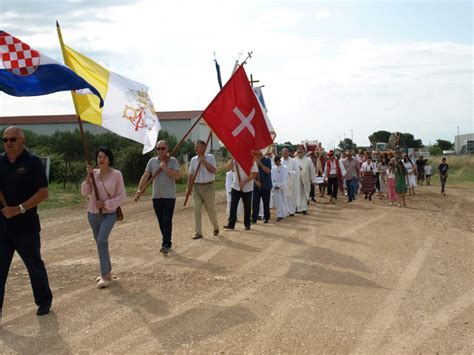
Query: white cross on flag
pixel 236 117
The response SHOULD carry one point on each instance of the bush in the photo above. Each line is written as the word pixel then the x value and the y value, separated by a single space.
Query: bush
pixel 435 150
pixel 131 162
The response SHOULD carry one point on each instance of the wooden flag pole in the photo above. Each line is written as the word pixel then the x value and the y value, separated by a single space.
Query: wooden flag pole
pixel 81 128
pixel 173 152
pixel 271 146
pixel 88 159
pixel 188 191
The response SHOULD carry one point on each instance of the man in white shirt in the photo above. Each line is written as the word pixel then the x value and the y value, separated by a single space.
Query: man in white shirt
pixel 287 161
pixel 242 187
pixel 305 177
pixel 203 166
pixel 280 182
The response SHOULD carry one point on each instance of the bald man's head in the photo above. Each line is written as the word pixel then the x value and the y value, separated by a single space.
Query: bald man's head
pixel 15 131
pixel 13 141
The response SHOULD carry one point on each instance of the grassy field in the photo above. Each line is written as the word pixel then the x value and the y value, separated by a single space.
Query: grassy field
pixel 461 169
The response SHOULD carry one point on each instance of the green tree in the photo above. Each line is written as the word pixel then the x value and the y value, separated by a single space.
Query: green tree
pixel 407 140
pixel 347 144
pixel 379 137
pixel 444 144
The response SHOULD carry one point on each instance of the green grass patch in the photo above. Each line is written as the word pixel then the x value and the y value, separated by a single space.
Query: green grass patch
pixel 61 196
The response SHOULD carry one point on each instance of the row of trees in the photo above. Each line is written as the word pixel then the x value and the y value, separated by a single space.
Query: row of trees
pixel 67 155
pixel 407 140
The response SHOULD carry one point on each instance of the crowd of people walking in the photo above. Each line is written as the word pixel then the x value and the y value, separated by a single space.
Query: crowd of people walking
pixel 286 182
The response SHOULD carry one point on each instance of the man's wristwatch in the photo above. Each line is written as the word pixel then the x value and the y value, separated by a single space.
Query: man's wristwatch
pixel 22 209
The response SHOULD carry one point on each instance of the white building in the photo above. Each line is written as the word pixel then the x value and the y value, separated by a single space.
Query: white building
pixel 464 143
pixel 176 123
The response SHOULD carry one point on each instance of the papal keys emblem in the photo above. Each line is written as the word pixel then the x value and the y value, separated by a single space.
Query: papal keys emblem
pixel 18 57
pixel 141 116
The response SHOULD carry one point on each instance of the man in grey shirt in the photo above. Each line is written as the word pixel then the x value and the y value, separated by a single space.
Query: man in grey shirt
pixel 164 190
pixel 352 176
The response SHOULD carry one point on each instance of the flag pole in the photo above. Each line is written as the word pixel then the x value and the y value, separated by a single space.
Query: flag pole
pixel 173 152
pixel 271 146
pixel 190 188
pixel 81 128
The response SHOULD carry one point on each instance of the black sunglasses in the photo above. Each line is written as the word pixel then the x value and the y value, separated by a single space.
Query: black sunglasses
pixel 160 148
pixel 12 139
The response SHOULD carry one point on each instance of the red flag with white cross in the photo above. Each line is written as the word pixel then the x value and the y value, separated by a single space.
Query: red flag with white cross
pixel 237 119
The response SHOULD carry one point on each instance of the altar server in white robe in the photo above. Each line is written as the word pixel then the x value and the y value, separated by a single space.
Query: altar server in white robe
pixel 280 183
pixel 305 176
pixel 287 161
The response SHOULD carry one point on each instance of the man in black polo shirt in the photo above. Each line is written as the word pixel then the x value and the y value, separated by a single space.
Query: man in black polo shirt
pixel 262 188
pixel 24 185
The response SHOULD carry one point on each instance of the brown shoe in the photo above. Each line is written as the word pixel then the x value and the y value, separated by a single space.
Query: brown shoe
pixel 216 232
pixel 197 236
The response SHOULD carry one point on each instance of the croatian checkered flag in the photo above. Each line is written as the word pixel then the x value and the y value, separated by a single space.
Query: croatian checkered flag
pixel 26 72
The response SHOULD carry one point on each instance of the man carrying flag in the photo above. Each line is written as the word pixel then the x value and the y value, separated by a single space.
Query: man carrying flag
pixel 23 183
pixel 236 117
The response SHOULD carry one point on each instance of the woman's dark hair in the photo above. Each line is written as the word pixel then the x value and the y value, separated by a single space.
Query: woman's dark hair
pixel 401 168
pixel 107 152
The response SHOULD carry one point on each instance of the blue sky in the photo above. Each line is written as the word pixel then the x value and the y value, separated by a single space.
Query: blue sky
pixel 328 67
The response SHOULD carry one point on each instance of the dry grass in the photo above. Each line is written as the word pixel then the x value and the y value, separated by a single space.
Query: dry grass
pixel 461 168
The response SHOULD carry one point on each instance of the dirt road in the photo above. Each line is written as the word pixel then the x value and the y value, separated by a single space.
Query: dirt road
pixel 350 278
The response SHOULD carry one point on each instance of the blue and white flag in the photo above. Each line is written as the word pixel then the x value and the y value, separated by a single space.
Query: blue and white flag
pixel 26 72
pixel 259 94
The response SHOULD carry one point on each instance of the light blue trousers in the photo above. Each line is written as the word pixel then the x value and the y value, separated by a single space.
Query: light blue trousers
pixel 101 227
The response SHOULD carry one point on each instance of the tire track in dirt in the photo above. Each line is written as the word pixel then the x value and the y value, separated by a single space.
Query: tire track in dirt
pixel 375 332
pixel 285 305
pixel 198 300
pixel 414 337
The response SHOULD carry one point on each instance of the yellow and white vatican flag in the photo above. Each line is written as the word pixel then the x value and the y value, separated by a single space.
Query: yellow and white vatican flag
pixel 127 110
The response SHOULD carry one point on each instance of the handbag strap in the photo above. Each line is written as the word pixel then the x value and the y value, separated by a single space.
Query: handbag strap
pixel 102 181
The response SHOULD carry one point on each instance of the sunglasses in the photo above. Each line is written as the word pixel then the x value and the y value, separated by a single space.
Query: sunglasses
pixel 160 148
pixel 12 140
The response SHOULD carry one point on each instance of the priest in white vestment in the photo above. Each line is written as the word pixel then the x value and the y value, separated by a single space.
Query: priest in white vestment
pixel 280 182
pixel 305 176
pixel 287 161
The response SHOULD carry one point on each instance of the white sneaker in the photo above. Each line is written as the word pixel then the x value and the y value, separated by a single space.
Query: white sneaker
pixel 102 283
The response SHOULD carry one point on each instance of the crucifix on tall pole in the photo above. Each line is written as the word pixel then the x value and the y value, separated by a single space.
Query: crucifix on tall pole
pixel 253 81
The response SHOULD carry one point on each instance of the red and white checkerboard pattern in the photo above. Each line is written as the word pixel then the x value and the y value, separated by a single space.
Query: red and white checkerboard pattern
pixel 17 57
